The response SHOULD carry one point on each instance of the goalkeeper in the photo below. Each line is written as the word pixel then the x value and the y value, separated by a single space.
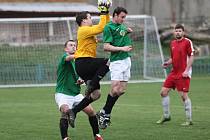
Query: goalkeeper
pixel 88 67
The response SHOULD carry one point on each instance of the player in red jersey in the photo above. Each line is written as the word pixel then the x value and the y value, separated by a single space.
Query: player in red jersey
pixel 181 60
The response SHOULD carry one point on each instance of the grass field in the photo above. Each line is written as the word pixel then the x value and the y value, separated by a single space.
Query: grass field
pixel 31 114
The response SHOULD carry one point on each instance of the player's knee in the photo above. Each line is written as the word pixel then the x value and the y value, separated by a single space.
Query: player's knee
pixel 90 114
pixel 114 92
pixel 95 95
pixel 64 108
pixel 117 91
pixel 163 93
pixel 64 115
pixel 89 111
pixel 184 97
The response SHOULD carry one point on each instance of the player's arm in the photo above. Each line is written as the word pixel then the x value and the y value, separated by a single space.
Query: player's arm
pixel 167 63
pixel 108 47
pixel 103 7
pixel 95 29
pixel 190 52
pixel 129 30
pixel 189 65
pixel 190 62
pixel 108 37
pixel 107 18
pixel 69 57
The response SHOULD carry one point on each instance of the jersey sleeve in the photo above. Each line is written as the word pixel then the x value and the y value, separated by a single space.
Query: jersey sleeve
pixel 63 59
pixel 107 18
pixel 89 31
pixel 107 35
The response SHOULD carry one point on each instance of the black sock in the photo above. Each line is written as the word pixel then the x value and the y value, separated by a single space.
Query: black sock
pixel 84 103
pixel 110 101
pixel 64 128
pixel 94 124
pixel 100 73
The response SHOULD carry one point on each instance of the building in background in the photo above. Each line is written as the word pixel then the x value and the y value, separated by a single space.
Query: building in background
pixel 166 11
pixel 44 8
pixel 27 32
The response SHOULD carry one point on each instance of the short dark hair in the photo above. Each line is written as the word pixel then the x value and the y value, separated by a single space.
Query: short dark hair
pixel 70 40
pixel 118 10
pixel 81 16
pixel 179 26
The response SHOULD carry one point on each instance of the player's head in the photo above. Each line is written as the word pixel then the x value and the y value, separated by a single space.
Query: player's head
pixel 179 31
pixel 70 46
pixel 84 18
pixel 119 15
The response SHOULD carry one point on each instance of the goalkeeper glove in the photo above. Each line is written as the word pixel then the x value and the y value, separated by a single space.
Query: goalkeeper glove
pixel 103 6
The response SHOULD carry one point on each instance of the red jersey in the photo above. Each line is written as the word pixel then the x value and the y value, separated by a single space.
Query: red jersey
pixel 180 51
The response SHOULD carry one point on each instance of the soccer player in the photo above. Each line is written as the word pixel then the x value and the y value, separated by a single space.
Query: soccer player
pixel 68 92
pixel 116 41
pixel 181 60
pixel 88 67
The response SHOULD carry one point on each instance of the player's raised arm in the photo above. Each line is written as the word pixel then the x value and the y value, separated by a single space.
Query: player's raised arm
pixel 103 7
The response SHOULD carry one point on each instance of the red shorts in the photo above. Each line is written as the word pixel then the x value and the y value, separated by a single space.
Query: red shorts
pixel 180 83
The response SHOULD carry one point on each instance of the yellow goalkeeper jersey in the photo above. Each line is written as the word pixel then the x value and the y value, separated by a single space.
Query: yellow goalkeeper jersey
pixel 86 36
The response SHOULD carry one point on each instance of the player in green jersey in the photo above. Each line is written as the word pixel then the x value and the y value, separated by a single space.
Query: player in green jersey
pixel 116 41
pixel 68 92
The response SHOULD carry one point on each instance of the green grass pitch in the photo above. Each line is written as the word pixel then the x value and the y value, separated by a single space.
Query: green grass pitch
pixel 31 114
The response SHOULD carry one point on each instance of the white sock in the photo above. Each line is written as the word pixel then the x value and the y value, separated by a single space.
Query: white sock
pixel 188 109
pixel 165 104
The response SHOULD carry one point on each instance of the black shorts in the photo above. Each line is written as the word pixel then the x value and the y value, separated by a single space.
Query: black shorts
pixel 86 67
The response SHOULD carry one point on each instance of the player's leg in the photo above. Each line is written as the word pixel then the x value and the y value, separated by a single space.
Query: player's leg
pixel 104 115
pixel 64 105
pixel 64 122
pixel 167 86
pixel 117 89
pixel 93 122
pixel 84 70
pixel 120 74
pixel 101 65
pixel 187 107
pixel 92 70
pixel 183 88
pixel 95 95
pixel 165 105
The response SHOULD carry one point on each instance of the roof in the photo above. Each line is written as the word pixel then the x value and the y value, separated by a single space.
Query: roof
pixel 44 9
pixel 48 7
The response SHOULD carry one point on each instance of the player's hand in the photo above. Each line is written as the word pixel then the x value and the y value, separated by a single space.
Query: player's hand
pixel 165 65
pixel 104 5
pixel 126 48
pixel 129 30
pixel 185 74
pixel 80 81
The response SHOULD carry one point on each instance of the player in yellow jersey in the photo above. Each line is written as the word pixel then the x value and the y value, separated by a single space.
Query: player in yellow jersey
pixel 88 67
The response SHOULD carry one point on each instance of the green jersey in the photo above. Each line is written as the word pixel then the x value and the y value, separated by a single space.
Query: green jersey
pixel 117 35
pixel 67 77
